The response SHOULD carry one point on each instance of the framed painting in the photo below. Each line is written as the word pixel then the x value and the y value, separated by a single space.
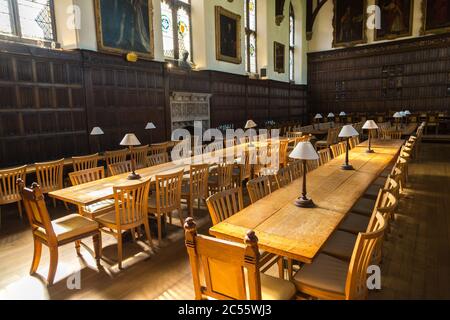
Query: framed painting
pixel 279 50
pixel 228 36
pixel 125 26
pixel 396 19
pixel 349 22
pixel 436 16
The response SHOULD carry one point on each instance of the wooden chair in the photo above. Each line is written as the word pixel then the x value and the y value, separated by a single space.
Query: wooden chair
pixel 120 168
pixel 312 165
pixel 283 152
pixel 129 213
pixel 166 199
pixel 337 149
pixel 258 188
pixel 113 157
pixel 71 228
pixel 331 139
pixel 294 134
pixel 283 177
pixel 220 178
pixel 85 176
pixel 157 148
pixel 157 159
pixel 296 169
pixel 324 156
pixel 139 155
pixel 242 170
pixel 9 191
pixel 331 278
pixel 223 205
pixel 85 162
pixel 392 134
pixel 354 141
pixel 226 270
pixel 197 186
pixel 50 176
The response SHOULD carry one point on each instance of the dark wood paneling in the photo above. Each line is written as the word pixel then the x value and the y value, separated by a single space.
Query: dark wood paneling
pixel 412 74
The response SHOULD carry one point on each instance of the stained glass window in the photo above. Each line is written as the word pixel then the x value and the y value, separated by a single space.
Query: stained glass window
pixel 29 19
pixel 291 43
pixel 250 36
pixel 176 27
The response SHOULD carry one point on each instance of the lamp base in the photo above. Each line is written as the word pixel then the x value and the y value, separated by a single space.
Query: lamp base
pixel 134 176
pixel 347 167
pixel 370 151
pixel 304 203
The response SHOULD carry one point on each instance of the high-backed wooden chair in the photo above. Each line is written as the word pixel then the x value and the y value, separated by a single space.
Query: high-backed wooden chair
pixel 224 204
pixel 156 159
pixel 129 213
pixel 71 228
pixel 296 169
pixel 337 149
pixel 85 176
pixel 9 191
pixel 113 157
pixel 139 155
pixel 331 278
pixel 331 139
pixel 120 168
pixel 166 199
pixel 50 176
pixel 85 162
pixel 258 188
pixel 158 148
pixel 220 178
pixel 283 177
pixel 324 156
pixel 197 186
pixel 227 270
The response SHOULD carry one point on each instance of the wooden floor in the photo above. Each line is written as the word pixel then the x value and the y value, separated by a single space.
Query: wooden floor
pixel 416 262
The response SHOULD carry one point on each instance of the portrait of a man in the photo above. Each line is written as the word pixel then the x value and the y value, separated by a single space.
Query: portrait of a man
pixel 437 15
pixel 125 26
pixel 396 19
pixel 228 36
pixel 349 22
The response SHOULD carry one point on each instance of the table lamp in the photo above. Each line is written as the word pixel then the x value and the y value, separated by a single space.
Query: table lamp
pixel 250 125
pixel 130 140
pixel 150 126
pixel 304 151
pixel 331 117
pixel 342 115
pixel 347 132
pixel 397 116
pixel 407 114
pixel 317 118
pixel 96 133
pixel 370 125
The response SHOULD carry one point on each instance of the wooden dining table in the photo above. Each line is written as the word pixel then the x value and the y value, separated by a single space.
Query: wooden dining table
pixel 299 233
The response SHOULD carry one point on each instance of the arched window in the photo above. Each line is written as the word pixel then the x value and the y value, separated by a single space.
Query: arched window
pixel 250 36
pixel 291 43
pixel 176 28
pixel 27 19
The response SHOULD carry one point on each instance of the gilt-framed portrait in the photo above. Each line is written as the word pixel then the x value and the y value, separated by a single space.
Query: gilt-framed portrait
pixel 349 22
pixel 436 16
pixel 279 50
pixel 125 26
pixel 396 19
pixel 228 36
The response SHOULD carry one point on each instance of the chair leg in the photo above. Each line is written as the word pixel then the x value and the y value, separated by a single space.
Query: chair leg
pixel 280 263
pixel 54 202
pixel 158 218
pixel 180 214
pixel 36 256
pixel 97 239
pixel 53 264
pixel 65 205
pixel 191 207
pixel 133 234
pixel 119 248
pixel 77 247
pixel 19 206
pixel 148 233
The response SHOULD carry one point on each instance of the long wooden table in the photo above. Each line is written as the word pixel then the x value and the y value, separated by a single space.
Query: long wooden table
pixel 300 233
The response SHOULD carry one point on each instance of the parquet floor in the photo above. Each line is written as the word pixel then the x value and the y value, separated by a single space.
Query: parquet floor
pixel 416 262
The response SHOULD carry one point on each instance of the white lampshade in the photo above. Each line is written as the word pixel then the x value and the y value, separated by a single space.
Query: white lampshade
pixel 250 124
pixel 402 113
pixel 130 139
pixel 150 126
pixel 397 115
pixel 331 115
pixel 370 124
pixel 342 114
pixel 318 116
pixel 304 151
pixel 97 131
pixel 348 131
pixel 407 112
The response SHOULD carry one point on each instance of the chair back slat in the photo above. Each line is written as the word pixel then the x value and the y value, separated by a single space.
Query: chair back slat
pixel 50 175
pixel 85 176
pixel 223 205
pixel 258 188
pixel 9 190
pixel 120 168
pixel 131 203
pixel 85 162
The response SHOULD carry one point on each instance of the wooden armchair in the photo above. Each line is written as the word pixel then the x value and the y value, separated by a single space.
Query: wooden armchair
pixel 218 269
pixel 85 176
pixel 9 191
pixel 113 157
pixel 71 228
pixel 129 213
pixel 197 186
pixel 258 188
pixel 50 177
pixel 85 162
pixel 166 199
pixel 120 168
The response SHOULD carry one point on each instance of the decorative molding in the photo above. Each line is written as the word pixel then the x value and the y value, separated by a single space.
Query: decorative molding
pixel 187 107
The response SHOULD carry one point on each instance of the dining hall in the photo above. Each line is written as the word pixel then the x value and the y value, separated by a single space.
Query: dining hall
pixel 224 150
